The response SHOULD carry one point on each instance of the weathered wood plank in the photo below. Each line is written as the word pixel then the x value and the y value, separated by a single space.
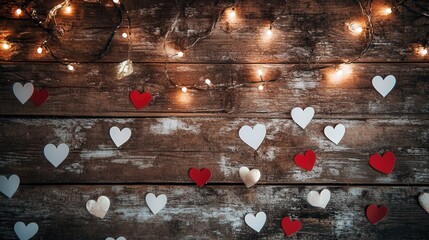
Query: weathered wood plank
pixel 161 150
pixel 93 90
pixel 308 30
pixel 213 212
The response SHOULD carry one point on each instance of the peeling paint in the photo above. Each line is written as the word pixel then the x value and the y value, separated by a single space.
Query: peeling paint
pixel 168 126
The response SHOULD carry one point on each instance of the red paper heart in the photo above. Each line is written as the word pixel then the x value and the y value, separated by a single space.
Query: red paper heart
pixel 375 214
pixel 200 177
pixel 383 163
pixel 39 97
pixel 290 227
pixel 140 100
pixel 306 161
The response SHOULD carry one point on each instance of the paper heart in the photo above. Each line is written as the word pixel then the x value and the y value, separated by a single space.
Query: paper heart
pixel 118 136
pixel 383 164
pixel 9 186
pixel 256 222
pixel 335 134
pixel 39 97
pixel 23 93
pixel 384 86
pixel 56 155
pixel 249 178
pixel 25 232
pixel 319 200
pixel 98 208
pixel 302 117
pixel 305 161
pixel 140 100
pixel 290 227
pixel 375 214
pixel 424 201
pixel 119 238
pixel 155 203
pixel 253 136
pixel 200 177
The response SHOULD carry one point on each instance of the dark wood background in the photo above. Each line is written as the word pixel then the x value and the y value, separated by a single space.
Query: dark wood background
pixel 200 128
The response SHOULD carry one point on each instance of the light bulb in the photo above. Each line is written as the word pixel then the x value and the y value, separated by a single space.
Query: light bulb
pixel 208 82
pixel 124 35
pixel 232 14
pixel 184 89
pixel 355 27
pixel 269 33
pixel 18 12
pixel 180 54
pixel 5 46
pixel 260 72
pixel 338 72
pixel 39 50
pixel 70 67
pixel 423 51
pixel 116 1
pixel 388 10
pixel 261 87
pixel 68 9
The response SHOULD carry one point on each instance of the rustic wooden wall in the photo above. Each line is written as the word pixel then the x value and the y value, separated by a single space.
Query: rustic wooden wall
pixel 200 128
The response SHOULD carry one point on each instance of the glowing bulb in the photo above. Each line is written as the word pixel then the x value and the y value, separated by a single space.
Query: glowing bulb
pixel 355 28
pixel 338 72
pixel 423 51
pixel 70 67
pixel 116 1
pixel 5 46
pixel 388 10
pixel 208 82
pixel 39 50
pixel 261 87
pixel 260 72
pixel 68 9
pixel 232 14
pixel 184 89
pixel 180 54
pixel 269 33
pixel 124 35
pixel 18 11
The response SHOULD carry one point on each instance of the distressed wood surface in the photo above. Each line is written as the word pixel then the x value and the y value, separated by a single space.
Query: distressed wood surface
pixel 213 212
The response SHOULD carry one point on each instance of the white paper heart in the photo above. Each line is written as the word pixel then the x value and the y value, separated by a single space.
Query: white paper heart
pixel 256 222
pixel 56 155
pixel 98 208
pixel 424 201
pixel 118 136
pixel 25 232
pixel 9 186
pixel 253 137
pixel 302 117
pixel 249 178
pixel 23 93
pixel 335 134
pixel 319 200
pixel 384 86
pixel 119 238
pixel 155 203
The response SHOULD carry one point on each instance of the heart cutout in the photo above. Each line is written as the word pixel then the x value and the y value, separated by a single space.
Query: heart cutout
pixel 25 232
pixel 256 222
pixel 306 161
pixel 98 208
pixel 383 164
pixel 118 136
pixel 9 186
pixel 384 86
pixel 39 97
pixel 56 155
pixel 119 238
pixel 249 177
pixel 253 136
pixel 140 100
pixel 375 214
pixel 335 134
pixel 23 93
pixel 200 177
pixel 155 203
pixel 319 200
pixel 290 227
pixel 302 117
pixel 424 201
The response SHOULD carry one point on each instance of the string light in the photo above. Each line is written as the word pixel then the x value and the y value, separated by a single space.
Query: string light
pixel 261 87
pixel 269 33
pixel 124 35
pixel 5 46
pixel 355 28
pixel 184 89
pixel 232 13
pixel 39 50
pixel 208 82
pixel 68 9
pixel 116 1
pixel 180 54
pixel 260 73
pixel 70 67
pixel 423 51
pixel 388 11
pixel 18 12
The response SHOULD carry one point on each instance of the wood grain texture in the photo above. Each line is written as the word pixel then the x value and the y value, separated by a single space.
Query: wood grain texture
pixel 163 150
pixel 213 212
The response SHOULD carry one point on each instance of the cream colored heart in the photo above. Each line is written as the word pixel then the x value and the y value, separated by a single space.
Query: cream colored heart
pixel 98 208
pixel 319 200
pixel 23 93
pixel 424 201
pixel 249 177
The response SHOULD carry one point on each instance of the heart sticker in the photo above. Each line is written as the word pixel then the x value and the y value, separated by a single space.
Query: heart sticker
pixel 290 227
pixel 249 177
pixel 375 214
pixel 383 164
pixel 9 186
pixel 39 97
pixel 305 161
pixel 424 201
pixel 253 136
pixel 56 155
pixel 302 117
pixel 200 177
pixel 23 93
pixel 118 136
pixel 155 203
pixel 335 134
pixel 256 222
pixel 384 86
pixel 25 232
pixel 98 208
pixel 319 200
pixel 140 100
pixel 119 238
